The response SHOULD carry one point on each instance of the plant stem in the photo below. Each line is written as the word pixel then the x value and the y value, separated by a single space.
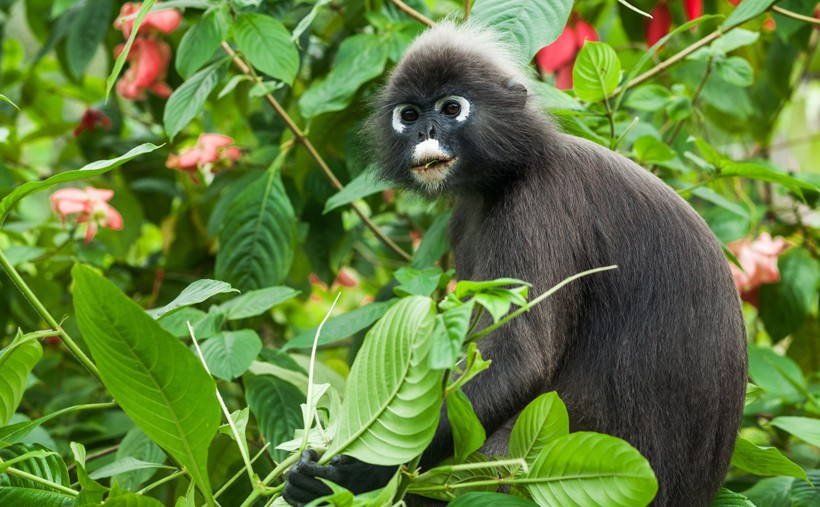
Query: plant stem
pixel 407 478
pixel 162 481
pixel 40 480
pixel 239 472
pixel 467 6
pixel 610 115
pixel 41 310
pixel 794 15
pixel 293 458
pixel 695 96
pixel 302 138
pixel 413 13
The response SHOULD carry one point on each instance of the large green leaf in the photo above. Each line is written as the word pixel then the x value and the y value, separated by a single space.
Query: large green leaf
pixel 16 362
pixel 746 10
pixel 25 497
pixel 804 494
pixel 157 381
pixel 343 326
pixel 229 354
pixel 392 397
pixel 786 304
pixel 202 40
pixel 434 244
pixel 468 433
pixel 276 405
pixel 763 173
pixel 486 499
pixel 256 240
pixel 776 374
pixel 197 292
pixel 596 72
pixel 583 469
pixel 41 462
pixel 266 43
pixel 805 428
pixel 136 444
pixel 544 420
pixel 363 185
pixel 360 58
pixel 772 492
pixel 88 171
pixel 528 25
pixel 188 100
pixel 256 302
pixel 764 461
pixel 87 32
pixel 728 498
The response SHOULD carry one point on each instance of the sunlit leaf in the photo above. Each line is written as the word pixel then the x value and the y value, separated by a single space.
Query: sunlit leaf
pixel 256 302
pixel 201 41
pixel 764 461
pixel 188 100
pixel 804 428
pixel 468 434
pixel 544 420
pixel 16 362
pixel 197 292
pixel 267 44
pixel 596 72
pixel 229 354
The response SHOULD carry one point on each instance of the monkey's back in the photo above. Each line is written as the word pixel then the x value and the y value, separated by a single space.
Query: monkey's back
pixel 653 352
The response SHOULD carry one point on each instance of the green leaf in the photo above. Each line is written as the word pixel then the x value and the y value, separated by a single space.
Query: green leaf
pixel 14 433
pixel 650 97
pixel 651 150
pixel 728 498
pixel 762 173
pixel 529 25
pixel 124 499
pixel 803 428
pixel 125 465
pixel 256 302
pixel 86 33
pixel 495 301
pixel 766 461
pixel 202 40
pixel 146 6
pixel 584 468
pixel 156 380
pixel 555 99
pixel 392 397
pixel 466 288
pixel 25 497
pixel 803 494
pixel 417 282
pixel 468 433
pixel 188 100
pixel 343 326
pixel 197 292
pixel 305 22
pixel 266 44
pixel 487 499
pixel 736 70
pixel 434 244
pixel 451 330
pixel 275 403
pixel 88 171
pixel 16 362
pixel 596 72
pixel 746 10
pixel 776 374
pixel 36 460
pixel 773 492
pixel 362 185
pixel 784 305
pixel 360 58
pixel 9 101
pixel 136 444
pixel 256 239
pixel 752 392
pixel 543 421
pixel 229 354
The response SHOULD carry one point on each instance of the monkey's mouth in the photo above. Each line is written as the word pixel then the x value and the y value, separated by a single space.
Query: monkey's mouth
pixel 433 170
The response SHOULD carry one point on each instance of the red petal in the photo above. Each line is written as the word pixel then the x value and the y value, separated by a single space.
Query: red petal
pixel 693 8
pixel 559 53
pixel 658 26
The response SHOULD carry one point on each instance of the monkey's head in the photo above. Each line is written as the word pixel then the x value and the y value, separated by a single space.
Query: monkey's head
pixel 454 115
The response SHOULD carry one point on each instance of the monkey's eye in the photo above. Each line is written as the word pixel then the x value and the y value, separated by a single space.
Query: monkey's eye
pixel 451 108
pixel 409 115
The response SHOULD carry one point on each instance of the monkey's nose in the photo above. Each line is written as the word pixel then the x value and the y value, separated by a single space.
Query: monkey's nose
pixel 428 132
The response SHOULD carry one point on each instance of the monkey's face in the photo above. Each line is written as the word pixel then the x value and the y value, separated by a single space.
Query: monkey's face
pixel 430 133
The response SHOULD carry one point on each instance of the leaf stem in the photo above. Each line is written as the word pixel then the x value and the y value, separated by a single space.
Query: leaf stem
pixel 314 154
pixel 407 478
pixel 287 462
pixel 239 472
pixel 162 481
pixel 467 7
pixel 695 96
pixel 794 15
pixel 51 321
pixel 413 13
pixel 39 480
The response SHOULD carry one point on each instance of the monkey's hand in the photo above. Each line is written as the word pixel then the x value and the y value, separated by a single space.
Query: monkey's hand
pixel 303 484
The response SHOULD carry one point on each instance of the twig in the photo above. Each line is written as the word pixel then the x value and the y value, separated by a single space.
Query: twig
pixel 98 454
pixel 302 138
pixel 467 9
pixel 695 96
pixel 794 15
pixel 413 13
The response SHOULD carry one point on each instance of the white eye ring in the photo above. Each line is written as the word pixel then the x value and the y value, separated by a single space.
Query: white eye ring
pixel 398 124
pixel 462 102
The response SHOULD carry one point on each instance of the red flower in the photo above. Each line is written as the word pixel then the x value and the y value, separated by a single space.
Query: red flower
pixel 659 25
pixel 210 153
pixel 148 59
pixel 734 2
pixel 90 205
pixel 89 120
pixel 693 8
pixel 559 57
pixel 164 21
pixel 758 259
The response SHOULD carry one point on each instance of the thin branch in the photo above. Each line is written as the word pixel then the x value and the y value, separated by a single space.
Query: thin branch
pixel 302 138
pixel 467 5
pixel 794 15
pixel 695 97
pixel 413 13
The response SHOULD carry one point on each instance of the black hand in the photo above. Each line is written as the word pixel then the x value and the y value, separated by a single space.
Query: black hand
pixel 303 485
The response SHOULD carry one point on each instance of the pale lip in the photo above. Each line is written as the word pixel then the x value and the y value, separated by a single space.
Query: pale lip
pixel 432 173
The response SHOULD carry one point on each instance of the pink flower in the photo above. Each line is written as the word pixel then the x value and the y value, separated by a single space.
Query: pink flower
pixel 693 8
pixel 559 57
pixel 758 259
pixel 659 25
pixel 210 153
pixel 89 120
pixel 164 21
pixel 90 205
pixel 148 59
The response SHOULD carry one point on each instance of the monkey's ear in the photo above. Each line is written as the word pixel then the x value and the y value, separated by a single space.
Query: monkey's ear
pixel 518 91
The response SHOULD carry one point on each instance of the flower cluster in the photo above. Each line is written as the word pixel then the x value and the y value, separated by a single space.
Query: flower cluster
pixel 91 207
pixel 149 56
pixel 758 259
pixel 211 153
pixel 559 57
